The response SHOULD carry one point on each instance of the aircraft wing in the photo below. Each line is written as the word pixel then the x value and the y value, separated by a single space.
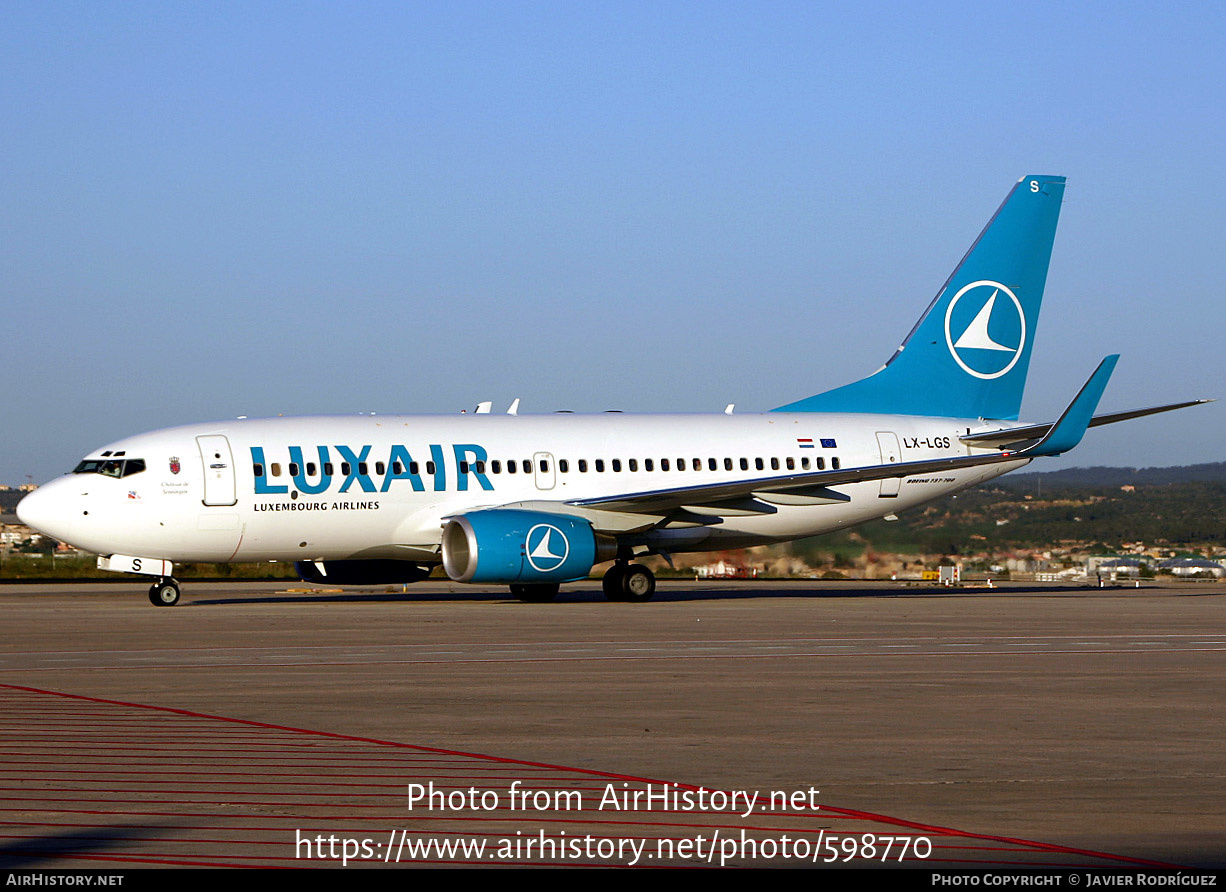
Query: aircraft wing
pixel 1012 436
pixel 760 495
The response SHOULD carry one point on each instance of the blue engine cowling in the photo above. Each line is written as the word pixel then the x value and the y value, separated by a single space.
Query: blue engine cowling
pixel 509 545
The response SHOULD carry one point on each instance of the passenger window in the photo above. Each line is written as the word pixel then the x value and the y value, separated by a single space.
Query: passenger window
pixel 727 464
pixel 430 468
pixel 463 467
pixel 496 466
pixel 600 466
pixel 663 464
pixel 649 465
pixel 804 463
pixel 617 465
pixel 397 468
pixel 344 469
pixel 362 468
pixel 744 464
pixel 759 464
pixel 834 463
pixel 479 467
pixel 712 464
pixel 310 469
pixel 697 464
pixel 276 469
pixel 583 466
pixel 293 469
pixel 258 470
pixel 380 468
pixel 774 464
pixel 544 466
pixel 512 467
pixel 328 468
pixel 821 464
pixel 527 466
pixel 791 463
pixel 413 466
pixel 563 466
pixel 634 464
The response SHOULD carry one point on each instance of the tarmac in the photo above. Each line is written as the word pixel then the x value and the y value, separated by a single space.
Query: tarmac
pixel 1025 724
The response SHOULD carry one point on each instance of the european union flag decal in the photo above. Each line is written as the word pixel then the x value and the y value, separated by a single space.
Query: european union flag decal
pixel 828 444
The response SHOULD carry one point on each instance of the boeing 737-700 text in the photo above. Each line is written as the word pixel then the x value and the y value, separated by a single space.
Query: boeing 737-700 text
pixel 534 501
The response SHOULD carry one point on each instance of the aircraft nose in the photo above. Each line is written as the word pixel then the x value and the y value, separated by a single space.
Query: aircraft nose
pixel 47 510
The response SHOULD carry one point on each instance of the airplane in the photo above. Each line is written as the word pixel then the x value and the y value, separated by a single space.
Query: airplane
pixel 533 501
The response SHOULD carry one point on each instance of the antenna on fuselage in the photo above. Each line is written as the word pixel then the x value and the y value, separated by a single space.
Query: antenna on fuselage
pixel 728 411
pixel 514 410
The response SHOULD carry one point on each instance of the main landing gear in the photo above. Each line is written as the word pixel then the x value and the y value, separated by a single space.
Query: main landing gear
pixel 628 582
pixel 164 592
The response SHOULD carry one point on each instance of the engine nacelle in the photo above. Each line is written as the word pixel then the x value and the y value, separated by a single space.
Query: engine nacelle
pixel 509 545
pixel 359 572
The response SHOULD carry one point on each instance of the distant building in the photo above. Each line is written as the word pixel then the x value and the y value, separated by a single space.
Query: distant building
pixel 1192 567
pixel 1113 566
pixel 725 570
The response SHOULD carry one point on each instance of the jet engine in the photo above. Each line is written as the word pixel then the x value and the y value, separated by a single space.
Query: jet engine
pixel 508 545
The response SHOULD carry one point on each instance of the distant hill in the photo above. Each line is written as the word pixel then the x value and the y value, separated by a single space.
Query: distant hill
pixel 1214 472
pixel 9 500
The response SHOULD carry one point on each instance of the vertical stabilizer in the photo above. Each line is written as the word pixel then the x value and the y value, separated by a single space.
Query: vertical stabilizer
pixel 968 355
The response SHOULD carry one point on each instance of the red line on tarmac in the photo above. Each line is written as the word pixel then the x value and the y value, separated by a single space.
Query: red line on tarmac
pixel 830 810
pixel 114 759
pixel 132 859
pixel 311 774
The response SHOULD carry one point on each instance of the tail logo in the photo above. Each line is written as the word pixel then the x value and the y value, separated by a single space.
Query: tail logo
pixel 989 327
pixel 543 544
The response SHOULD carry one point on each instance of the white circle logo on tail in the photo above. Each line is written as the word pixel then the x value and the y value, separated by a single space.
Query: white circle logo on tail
pixel 547 547
pixel 991 329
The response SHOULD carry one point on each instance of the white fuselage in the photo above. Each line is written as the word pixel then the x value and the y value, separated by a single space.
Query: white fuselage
pixel 367 487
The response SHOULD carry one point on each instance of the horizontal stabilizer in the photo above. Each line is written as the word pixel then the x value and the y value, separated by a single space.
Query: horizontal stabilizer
pixel 1014 435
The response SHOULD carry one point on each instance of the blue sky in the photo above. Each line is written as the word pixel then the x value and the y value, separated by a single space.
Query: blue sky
pixel 210 210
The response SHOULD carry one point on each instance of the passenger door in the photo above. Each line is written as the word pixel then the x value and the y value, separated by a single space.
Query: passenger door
pixel 219 487
pixel 887 441
pixel 542 467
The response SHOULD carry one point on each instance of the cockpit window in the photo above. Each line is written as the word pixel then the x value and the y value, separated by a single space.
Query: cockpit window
pixel 111 467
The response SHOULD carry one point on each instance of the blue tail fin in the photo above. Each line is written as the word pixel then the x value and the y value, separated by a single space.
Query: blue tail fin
pixel 967 356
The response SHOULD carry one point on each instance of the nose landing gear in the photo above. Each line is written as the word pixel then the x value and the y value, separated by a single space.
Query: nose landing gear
pixel 164 592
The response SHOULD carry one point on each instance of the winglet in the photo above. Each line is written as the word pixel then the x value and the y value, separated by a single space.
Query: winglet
pixel 1068 431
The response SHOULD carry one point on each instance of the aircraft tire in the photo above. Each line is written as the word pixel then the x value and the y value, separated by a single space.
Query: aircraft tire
pixel 638 584
pixel 164 593
pixel 611 583
pixel 539 593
